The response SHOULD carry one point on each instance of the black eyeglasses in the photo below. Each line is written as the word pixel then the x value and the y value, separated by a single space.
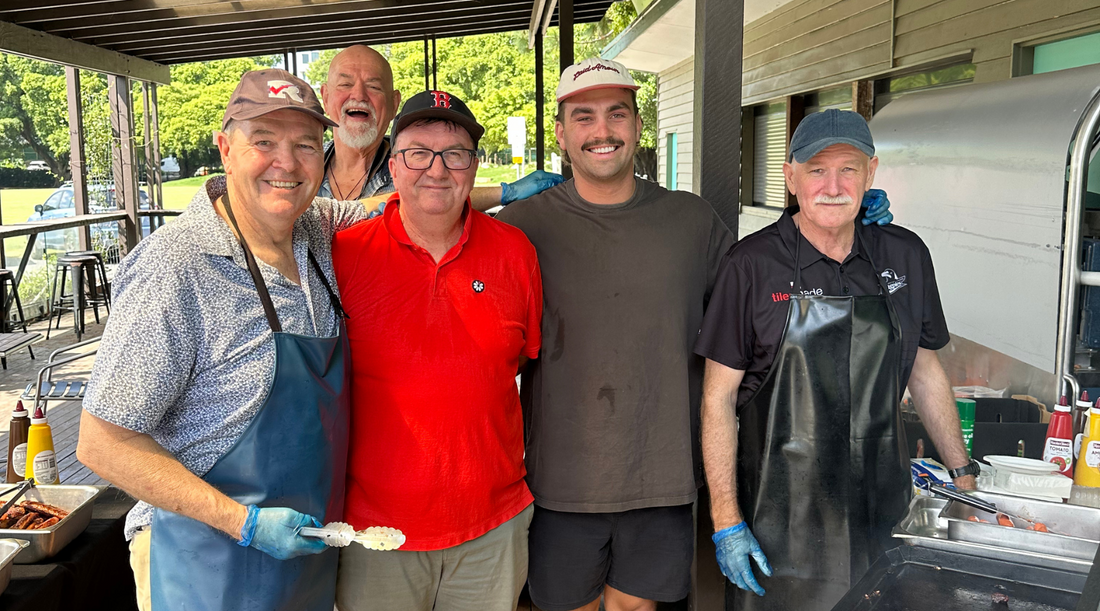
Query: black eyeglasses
pixel 422 159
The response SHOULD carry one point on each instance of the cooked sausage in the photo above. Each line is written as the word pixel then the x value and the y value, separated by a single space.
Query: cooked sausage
pixel 49 523
pixel 38 522
pixel 1004 520
pixel 14 513
pixel 1039 527
pixel 25 521
pixel 46 509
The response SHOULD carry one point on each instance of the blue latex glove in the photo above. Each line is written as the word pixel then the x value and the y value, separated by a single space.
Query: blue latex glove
pixel 274 531
pixel 735 545
pixel 534 183
pixel 878 208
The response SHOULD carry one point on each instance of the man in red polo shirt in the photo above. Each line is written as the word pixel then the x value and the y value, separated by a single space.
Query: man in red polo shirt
pixel 444 305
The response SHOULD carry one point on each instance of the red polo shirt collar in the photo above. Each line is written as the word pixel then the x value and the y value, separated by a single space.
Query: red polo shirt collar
pixel 396 228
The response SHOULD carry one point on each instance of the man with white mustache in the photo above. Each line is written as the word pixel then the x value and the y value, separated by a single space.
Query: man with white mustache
pixel 359 95
pixel 816 325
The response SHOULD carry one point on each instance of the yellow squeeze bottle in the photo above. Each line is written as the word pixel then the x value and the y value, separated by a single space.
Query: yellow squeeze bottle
pixel 1088 469
pixel 41 460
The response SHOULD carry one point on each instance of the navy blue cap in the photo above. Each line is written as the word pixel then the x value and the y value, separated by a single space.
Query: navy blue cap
pixel 820 130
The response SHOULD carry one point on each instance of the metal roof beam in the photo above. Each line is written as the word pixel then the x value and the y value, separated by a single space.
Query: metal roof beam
pixel 205 53
pixel 38 45
pixel 119 9
pixel 293 34
pixel 181 28
pixel 538 13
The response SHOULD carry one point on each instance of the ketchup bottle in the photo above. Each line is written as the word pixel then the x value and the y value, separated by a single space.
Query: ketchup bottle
pixel 1059 444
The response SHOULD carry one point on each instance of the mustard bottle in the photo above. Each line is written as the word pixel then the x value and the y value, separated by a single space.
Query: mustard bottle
pixel 1088 469
pixel 41 460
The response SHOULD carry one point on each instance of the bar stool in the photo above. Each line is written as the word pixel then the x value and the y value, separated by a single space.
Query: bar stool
pixel 101 271
pixel 8 277
pixel 79 267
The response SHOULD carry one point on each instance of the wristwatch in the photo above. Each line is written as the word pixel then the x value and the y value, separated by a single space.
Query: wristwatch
pixel 971 468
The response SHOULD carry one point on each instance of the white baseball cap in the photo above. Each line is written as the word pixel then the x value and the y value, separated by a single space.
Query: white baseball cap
pixel 594 73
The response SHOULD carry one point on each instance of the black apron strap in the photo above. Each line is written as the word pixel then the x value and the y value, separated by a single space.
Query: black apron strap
pixel 254 269
pixel 336 305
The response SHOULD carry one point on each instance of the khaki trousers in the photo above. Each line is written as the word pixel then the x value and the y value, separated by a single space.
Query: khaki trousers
pixel 139 562
pixel 484 574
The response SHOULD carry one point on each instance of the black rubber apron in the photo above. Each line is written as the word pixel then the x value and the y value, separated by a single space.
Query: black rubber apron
pixel 822 474
pixel 293 454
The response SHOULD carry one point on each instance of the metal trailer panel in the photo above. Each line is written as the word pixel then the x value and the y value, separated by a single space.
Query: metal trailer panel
pixel 979 172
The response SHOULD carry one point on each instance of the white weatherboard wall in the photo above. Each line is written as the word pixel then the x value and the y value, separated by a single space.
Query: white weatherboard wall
pixel 675 96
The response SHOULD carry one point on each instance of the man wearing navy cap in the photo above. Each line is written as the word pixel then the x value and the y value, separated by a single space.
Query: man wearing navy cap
pixel 816 325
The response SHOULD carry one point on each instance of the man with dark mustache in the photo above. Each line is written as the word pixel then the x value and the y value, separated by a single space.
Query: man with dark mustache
pixel 611 404
pixel 359 95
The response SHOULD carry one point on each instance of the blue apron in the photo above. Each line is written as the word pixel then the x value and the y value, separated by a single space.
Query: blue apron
pixel 293 454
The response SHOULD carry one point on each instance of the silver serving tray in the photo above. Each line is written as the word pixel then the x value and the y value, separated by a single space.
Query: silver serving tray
pixel 924 526
pixel 9 549
pixel 46 542
pixel 1075 529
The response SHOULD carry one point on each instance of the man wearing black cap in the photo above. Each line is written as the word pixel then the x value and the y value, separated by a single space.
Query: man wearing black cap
pixel 219 395
pixel 816 325
pixel 444 305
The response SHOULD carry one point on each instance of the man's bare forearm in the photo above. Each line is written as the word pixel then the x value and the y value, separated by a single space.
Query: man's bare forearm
pixel 935 403
pixel 146 471
pixel 719 430
pixel 484 198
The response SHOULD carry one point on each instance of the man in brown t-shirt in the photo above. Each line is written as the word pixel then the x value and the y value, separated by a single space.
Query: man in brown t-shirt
pixel 612 454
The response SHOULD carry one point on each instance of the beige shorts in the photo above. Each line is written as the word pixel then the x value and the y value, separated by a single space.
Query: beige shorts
pixel 139 561
pixel 484 574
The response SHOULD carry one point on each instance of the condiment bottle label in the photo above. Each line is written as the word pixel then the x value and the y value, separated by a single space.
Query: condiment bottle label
pixel 1092 454
pixel 1059 452
pixel 19 460
pixel 45 467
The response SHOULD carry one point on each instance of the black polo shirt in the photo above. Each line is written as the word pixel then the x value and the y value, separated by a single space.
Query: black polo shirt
pixel 747 312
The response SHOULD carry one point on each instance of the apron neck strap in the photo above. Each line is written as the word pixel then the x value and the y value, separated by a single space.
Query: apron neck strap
pixel 797 286
pixel 254 270
pixel 333 299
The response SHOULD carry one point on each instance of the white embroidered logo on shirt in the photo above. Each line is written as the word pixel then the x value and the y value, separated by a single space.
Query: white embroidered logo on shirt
pixel 478 286
pixel 894 282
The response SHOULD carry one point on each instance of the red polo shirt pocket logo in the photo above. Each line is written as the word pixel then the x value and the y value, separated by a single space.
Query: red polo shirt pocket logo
pixel 478 286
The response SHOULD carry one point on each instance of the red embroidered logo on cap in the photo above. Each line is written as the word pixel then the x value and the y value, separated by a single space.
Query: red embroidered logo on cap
pixel 442 99
pixel 284 89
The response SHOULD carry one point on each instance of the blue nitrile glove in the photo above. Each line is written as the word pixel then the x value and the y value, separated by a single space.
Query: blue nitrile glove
pixel 274 531
pixel 534 183
pixel 878 208
pixel 735 545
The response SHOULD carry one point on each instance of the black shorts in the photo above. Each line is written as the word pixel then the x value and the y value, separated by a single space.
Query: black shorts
pixel 643 552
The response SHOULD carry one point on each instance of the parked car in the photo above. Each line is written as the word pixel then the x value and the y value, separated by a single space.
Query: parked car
pixel 169 168
pixel 38 165
pixel 60 204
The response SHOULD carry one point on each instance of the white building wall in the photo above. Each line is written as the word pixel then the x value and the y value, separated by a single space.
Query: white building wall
pixel 675 97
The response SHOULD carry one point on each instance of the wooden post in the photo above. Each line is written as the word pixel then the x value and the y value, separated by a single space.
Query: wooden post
pixel 147 140
pixel 122 158
pixel 863 98
pixel 156 146
pixel 76 152
pixel 565 54
pixel 796 110
pixel 716 172
pixel 540 104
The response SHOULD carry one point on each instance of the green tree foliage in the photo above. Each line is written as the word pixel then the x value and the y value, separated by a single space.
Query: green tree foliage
pixel 33 112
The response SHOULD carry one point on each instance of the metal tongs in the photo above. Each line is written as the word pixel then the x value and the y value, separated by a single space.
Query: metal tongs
pixel 19 490
pixel 976 503
pixel 341 534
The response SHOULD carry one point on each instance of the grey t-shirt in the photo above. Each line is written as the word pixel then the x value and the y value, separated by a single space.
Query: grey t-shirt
pixel 612 404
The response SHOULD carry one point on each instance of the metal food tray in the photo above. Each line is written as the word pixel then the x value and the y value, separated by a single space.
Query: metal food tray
pixel 9 549
pixel 909 578
pixel 1078 527
pixel 46 542
pixel 924 526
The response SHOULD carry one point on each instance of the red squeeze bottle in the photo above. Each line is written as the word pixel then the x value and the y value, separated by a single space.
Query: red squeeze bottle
pixel 1059 444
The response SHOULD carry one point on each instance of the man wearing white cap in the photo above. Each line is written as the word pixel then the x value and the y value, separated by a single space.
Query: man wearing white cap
pixel 613 459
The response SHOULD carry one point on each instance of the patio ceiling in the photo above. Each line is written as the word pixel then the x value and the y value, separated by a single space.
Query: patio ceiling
pixel 178 31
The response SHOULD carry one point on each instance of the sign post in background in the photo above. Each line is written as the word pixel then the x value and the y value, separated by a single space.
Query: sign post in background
pixel 517 138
